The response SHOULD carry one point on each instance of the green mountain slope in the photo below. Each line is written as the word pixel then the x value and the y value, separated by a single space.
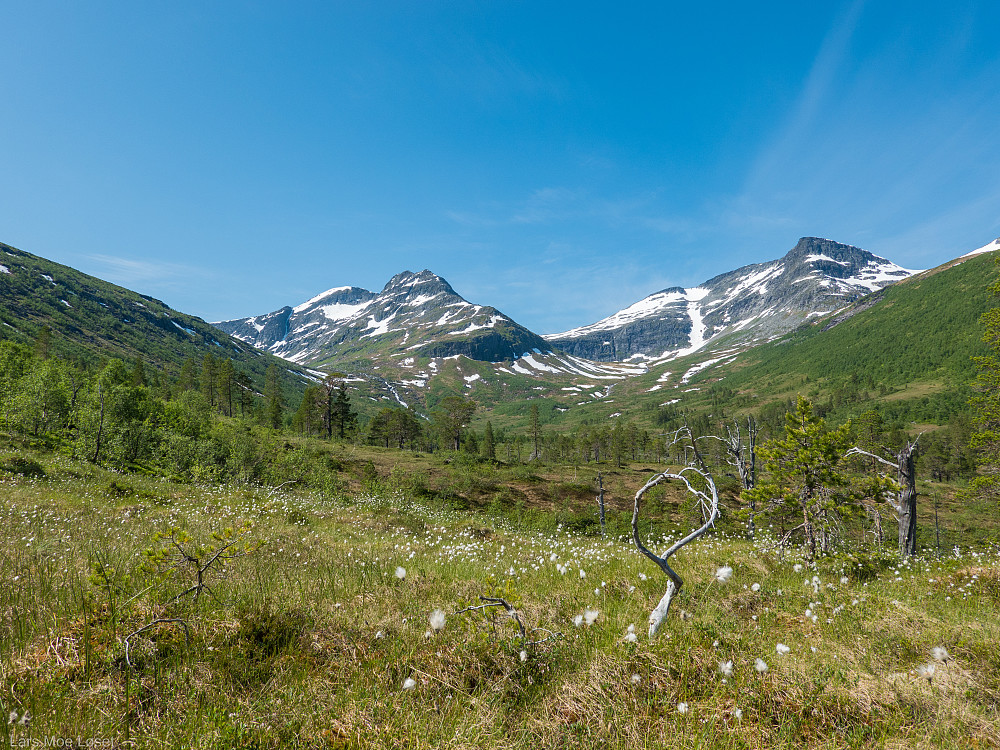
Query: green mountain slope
pixel 89 319
pixel 909 347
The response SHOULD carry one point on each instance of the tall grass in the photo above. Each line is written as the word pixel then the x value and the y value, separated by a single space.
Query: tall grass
pixel 310 640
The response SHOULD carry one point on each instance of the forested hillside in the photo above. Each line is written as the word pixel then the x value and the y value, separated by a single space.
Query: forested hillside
pixel 63 311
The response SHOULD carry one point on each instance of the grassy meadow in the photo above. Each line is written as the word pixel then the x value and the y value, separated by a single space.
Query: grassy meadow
pixel 339 624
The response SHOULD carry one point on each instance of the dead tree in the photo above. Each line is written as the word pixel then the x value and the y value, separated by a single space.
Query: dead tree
pixel 693 460
pixel 904 500
pixel 674 581
pixel 600 502
pixel 740 452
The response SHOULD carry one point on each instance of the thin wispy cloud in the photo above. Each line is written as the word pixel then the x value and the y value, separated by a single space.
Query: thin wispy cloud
pixel 132 271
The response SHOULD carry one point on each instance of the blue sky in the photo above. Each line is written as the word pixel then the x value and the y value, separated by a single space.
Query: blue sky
pixel 556 160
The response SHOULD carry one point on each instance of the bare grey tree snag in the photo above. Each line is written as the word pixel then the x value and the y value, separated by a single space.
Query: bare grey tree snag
pixel 685 436
pixel 674 582
pixel 905 501
pixel 741 453
pixel 876 516
pixel 600 501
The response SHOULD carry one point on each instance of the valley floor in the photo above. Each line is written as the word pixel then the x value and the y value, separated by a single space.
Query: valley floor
pixel 340 624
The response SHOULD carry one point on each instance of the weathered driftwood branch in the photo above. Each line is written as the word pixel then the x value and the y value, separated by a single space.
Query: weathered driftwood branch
pixel 674 582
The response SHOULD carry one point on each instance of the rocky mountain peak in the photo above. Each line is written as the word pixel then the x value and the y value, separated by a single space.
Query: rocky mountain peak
pixel 750 304
pixel 414 314
pixel 422 282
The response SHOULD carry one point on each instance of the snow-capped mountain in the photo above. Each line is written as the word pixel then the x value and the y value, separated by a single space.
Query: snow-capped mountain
pixel 748 305
pixel 418 314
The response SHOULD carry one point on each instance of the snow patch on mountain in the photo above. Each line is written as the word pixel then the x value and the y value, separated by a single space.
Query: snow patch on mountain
pixel 341 311
pixel 827 258
pixel 641 309
pixel 987 248
pixel 320 297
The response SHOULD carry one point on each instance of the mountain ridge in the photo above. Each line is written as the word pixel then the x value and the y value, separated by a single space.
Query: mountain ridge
pixel 756 302
pixel 351 322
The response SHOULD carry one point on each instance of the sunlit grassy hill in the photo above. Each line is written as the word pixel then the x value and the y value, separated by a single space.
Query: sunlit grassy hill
pixel 88 319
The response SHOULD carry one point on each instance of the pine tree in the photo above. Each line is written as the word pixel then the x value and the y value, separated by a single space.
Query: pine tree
pixel 273 400
pixel 804 478
pixel 209 378
pixel 451 416
pixel 43 342
pixel 138 373
pixel 535 430
pixel 226 375
pixel 342 418
pixel 185 382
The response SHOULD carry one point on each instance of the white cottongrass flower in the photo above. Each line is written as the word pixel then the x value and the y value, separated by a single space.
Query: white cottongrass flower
pixel 631 638
pixel 940 653
pixel 409 683
pixel 524 655
pixel 437 619
pixel 760 665
pixel 590 615
pixel 726 667
pixel 926 671
pixel 12 717
pixel 583 573
pixel 578 620
pixel 636 679
pixel 737 714
pixel 682 707
pixel 755 587
pixel 400 572
pixel 797 567
pixel 723 574
pixel 782 649
pixel 844 580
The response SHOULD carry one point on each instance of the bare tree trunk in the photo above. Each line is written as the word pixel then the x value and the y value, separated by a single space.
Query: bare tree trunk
pixel 905 503
pixel 807 529
pixel 675 582
pixel 877 532
pixel 600 501
pixel 906 476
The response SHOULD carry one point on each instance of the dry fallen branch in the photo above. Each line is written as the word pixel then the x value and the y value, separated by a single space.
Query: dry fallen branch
pixel 491 601
pixel 162 621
